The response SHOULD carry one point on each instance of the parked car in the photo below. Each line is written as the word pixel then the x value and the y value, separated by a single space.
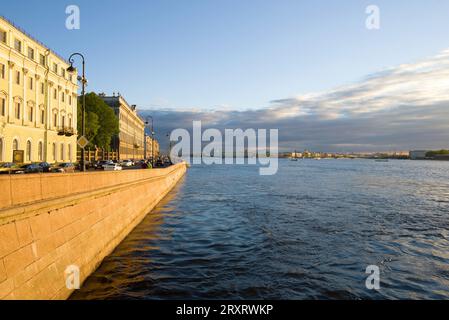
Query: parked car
pixel 8 167
pixel 159 163
pixel 46 167
pixel 127 163
pixel 112 167
pixel 64 168
pixel 100 165
pixel 30 168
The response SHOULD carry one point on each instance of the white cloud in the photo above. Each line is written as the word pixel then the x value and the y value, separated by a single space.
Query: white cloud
pixel 403 107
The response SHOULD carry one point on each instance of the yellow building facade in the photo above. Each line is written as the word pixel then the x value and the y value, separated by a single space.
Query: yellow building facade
pixel 149 144
pixel 130 142
pixel 38 100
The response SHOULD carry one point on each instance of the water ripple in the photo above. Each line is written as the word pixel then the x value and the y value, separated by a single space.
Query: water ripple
pixel 307 233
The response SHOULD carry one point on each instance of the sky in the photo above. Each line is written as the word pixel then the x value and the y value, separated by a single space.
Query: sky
pixel 310 68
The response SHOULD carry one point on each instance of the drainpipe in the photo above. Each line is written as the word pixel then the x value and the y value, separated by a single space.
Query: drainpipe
pixel 46 106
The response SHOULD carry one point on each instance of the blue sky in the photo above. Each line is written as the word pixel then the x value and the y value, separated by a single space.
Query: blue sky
pixel 308 68
pixel 233 54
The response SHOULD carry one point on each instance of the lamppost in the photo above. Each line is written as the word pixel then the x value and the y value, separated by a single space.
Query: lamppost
pixel 83 80
pixel 169 146
pixel 152 138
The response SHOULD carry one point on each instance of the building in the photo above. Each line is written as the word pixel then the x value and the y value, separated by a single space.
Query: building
pixel 38 100
pixel 149 144
pixel 130 142
pixel 418 154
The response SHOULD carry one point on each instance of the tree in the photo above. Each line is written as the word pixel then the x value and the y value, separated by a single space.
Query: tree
pixel 101 122
pixel 432 154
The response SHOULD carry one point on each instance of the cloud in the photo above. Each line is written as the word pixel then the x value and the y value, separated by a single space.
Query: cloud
pixel 399 108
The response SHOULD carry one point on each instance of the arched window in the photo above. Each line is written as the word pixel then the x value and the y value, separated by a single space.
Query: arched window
pixel 15 144
pixel 54 152
pixel 40 151
pixel 1 149
pixel 28 155
pixel 62 152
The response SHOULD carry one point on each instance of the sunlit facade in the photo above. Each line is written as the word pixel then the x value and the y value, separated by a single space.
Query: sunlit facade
pixel 38 100
pixel 130 142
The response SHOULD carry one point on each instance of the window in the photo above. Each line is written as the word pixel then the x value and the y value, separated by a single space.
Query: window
pixel 18 45
pixel 63 72
pixel 15 144
pixel 62 97
pixel 2 71
pixel 54 152
pixel 30 113
pixel 62 152
pixel 31 53
pixel 55 120
pixel 43 116
pixel 70 153
pixel 18 77
pixel 55 94
pixel 2 107
pixel 1 149
pixel 70 100
pixel 31 83
pixel 63 121
pixel 2 36
pixel 42 60
pixel 55 68
pixel 28 155
pixel 40 151
pixel 42 88
pixel 18 106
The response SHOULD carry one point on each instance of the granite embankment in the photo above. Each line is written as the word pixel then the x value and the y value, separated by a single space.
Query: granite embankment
pixel 50 222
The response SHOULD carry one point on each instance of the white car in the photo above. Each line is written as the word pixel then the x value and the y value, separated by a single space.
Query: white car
pixel 127 163
pixel 112 167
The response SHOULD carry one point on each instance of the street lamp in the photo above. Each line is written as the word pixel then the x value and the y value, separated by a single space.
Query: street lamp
pixel 152 138
pixel 83 80
pixel 169 143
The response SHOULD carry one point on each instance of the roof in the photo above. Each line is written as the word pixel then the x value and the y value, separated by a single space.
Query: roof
pixel 32 38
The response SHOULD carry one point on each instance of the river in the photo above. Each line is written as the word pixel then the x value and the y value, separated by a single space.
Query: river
pixel 309 232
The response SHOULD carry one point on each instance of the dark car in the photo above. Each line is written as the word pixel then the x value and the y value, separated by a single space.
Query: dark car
pixel 159 163
pixel 30 168
pixel 8 167
pixel 64 168
pixel 46 167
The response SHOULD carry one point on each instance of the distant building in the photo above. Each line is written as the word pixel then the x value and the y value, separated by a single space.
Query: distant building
pixel 130 142
pixel 149 144
pixel 418 154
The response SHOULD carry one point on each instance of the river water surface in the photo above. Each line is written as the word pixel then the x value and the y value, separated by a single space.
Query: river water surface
pixel 308 232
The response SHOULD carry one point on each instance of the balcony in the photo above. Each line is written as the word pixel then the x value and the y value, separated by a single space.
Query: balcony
pixel 66 131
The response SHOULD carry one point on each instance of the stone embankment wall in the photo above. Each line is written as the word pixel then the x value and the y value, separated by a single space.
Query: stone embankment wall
pixel 49 222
